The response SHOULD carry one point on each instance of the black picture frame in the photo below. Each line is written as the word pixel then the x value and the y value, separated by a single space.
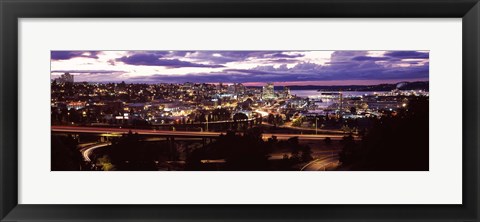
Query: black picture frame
pixel 12 10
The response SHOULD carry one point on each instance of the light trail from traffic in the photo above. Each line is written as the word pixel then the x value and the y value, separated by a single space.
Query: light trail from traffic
pixel 75 129
pixel 322 164
pixel 87 151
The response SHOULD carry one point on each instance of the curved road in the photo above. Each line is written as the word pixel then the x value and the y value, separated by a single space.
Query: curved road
pixel 87 150
pixel 322 164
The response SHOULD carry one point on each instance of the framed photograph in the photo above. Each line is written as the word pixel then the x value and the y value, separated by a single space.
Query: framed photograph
pixel 225 110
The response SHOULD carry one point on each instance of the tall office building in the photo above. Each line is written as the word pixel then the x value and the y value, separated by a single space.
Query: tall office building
pixel 64 78
pixel 268 91
pixel 239 88
pixel 286 93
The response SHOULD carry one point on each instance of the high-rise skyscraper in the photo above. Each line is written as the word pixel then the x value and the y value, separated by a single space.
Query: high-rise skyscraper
pixel 286 93
pixel 65 78
pixel 268 91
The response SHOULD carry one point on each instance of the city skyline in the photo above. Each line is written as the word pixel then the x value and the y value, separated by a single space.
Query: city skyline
pixel 239 110
pixel 252 68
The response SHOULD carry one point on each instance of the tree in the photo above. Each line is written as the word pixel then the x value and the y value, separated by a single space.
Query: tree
pixel 295 148
pixel 278 120
pixel 241 152
pixel 297 122
pixel 220 114
pixel 399 142
pixel 271 118
pixel 353 110
pixel 65 155
pixel 130 152
pixel 348 153
pixel 105 163
pixel 240 116
pixel 306 153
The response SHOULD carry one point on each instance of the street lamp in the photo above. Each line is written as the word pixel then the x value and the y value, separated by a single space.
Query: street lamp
pixel 207 124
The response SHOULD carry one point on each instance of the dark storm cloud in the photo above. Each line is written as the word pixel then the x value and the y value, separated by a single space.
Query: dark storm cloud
pixel 65 55
pixel 158 59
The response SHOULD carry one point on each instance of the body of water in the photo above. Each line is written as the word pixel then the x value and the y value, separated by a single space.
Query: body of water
pixel 315 93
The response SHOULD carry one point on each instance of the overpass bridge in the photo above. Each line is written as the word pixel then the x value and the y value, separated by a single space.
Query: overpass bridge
pixel 115 132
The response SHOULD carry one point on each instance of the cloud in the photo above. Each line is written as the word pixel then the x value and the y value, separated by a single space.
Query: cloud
pixel 394 56
pixel 408 54
pixel 156 59
pixel 224 57
pixel 87 71
pixel 369 58
pixel 281 55
pixel 284 61
pixel 211 59
pixel 65 55
pixel 180 53
pixel 300 72
pixel 253 66
pixel 355 65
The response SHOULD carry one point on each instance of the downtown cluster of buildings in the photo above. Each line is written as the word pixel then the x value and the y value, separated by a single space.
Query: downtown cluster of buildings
pixel 65 78
pixel 118 104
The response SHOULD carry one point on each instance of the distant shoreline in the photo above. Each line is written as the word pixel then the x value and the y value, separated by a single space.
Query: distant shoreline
pixel 418 85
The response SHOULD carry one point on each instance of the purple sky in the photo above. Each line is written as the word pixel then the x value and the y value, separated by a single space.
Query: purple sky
pixel 249 67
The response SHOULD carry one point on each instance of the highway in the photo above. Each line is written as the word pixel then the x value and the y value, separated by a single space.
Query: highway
pixel 307 129
pixel 87 150
pixel 97 130
pixel 322 164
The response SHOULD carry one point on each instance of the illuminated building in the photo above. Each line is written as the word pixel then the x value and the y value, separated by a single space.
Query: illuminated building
pixel 75 105
pixel 64 78
pixel 268 91
pixel 286 93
